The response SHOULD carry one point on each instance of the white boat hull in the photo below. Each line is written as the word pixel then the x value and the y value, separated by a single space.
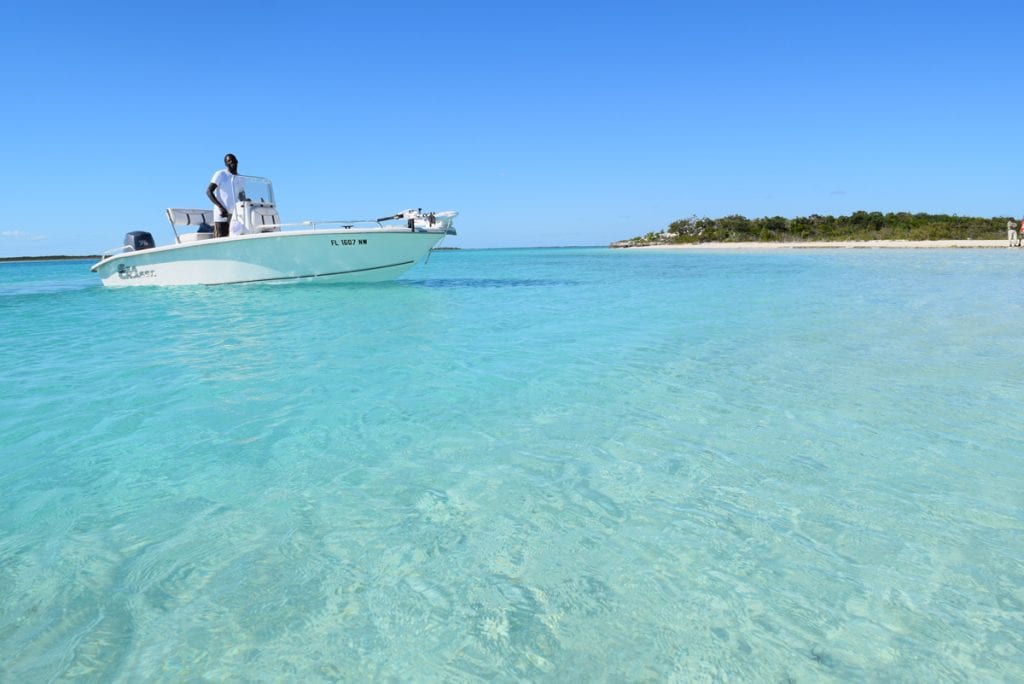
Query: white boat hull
pixel 336 255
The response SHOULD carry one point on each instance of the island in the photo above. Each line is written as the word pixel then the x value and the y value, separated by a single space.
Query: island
pixel 861 228
pixel 55 257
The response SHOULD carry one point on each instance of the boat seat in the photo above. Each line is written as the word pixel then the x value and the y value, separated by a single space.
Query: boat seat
pixel 191 217
pixel 200 219
pixel 264 219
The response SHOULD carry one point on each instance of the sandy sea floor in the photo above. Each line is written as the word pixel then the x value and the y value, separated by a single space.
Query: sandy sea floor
pixel 548 465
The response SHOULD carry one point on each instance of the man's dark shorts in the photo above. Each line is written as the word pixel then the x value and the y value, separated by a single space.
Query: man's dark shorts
pixel 220 229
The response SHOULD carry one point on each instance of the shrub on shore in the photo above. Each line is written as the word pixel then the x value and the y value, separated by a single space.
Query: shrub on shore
pixel 860 225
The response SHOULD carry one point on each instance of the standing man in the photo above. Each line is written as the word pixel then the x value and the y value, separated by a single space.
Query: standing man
pixel 1011 232
pixel 221 192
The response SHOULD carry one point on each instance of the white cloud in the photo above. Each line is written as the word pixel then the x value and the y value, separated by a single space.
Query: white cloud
pixel 20 235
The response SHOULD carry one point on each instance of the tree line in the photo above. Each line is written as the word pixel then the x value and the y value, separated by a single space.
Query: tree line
pixel 860 225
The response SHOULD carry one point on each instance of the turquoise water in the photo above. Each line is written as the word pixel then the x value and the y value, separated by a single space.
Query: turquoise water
pixel 544 465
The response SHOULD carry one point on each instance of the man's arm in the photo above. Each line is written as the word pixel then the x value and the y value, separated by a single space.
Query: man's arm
pixel 213 198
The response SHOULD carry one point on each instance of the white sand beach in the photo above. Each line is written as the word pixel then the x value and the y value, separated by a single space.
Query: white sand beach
pixel 864 244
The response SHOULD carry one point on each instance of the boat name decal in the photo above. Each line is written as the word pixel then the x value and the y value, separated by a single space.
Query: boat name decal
pixel 345 243
pixel 131 272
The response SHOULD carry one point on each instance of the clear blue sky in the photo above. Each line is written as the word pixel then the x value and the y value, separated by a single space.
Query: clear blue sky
pixel 542 123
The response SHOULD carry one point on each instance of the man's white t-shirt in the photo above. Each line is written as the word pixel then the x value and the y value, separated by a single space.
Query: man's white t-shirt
pixel 228 187
pixel 225 193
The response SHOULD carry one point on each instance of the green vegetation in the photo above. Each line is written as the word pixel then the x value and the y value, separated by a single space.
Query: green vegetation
pixel 56 257
pixel 861 225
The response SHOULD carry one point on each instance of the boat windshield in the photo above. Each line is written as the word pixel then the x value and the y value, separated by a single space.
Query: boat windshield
pixel 256 189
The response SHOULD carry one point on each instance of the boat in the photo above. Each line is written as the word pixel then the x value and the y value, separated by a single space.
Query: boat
pixel 262 249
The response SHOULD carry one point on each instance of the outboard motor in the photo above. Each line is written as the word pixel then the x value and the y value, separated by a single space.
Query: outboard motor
pixel 139 239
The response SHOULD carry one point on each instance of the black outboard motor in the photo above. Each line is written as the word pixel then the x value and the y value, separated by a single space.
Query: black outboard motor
pixel 139 239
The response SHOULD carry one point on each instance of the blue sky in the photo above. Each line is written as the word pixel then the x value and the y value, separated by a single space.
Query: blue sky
pixel 543 123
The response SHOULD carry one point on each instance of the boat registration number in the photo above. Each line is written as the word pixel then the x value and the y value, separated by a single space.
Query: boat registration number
pixel 346 243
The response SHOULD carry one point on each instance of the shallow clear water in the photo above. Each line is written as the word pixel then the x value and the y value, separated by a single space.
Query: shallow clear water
pixel 562 465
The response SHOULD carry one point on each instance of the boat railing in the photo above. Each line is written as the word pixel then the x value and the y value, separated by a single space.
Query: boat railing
pixel 432 222
pixel 344 223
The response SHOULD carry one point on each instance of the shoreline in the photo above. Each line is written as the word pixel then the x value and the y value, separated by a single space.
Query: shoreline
pixel 21 259
pixel 852 244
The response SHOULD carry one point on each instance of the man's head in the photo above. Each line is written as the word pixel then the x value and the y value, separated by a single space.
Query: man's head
pixel 231 161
